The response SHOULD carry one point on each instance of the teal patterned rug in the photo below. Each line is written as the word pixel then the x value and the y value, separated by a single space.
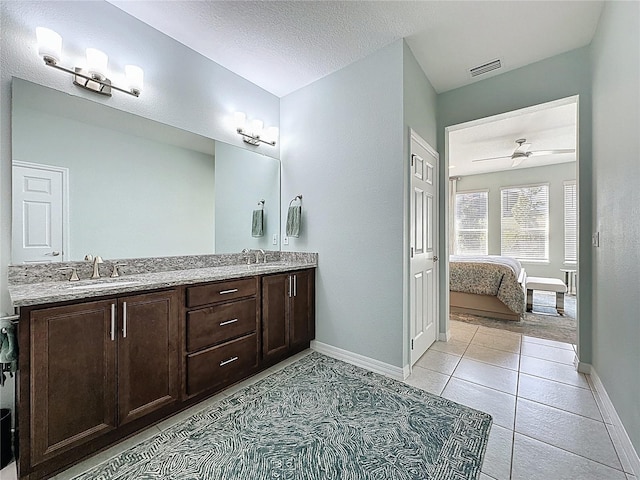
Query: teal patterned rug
pixel 317 419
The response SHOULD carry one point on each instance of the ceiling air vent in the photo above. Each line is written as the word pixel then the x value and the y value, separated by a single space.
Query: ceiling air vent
pixel 487 67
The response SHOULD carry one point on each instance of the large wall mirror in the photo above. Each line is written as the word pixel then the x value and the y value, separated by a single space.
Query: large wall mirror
pixel 90 179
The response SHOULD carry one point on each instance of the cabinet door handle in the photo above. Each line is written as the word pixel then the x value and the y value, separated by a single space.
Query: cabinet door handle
pixel 225 362
pixel 290 288
pixel 113 322
pixel 295 285
pixel 222 324
pixel 124 319
pixel 224 292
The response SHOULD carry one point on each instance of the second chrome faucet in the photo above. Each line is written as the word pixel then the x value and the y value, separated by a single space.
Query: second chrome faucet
pixel 258 251
pixel 97 260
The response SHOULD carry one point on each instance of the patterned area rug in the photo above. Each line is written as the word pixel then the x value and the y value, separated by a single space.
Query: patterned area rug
pixel 317 419
pixel 542 322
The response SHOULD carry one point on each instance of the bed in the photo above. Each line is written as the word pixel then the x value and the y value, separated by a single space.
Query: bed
pixel 489 286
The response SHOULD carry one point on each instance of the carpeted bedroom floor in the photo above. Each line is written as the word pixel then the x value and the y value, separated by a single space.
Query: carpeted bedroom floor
pixel 543 322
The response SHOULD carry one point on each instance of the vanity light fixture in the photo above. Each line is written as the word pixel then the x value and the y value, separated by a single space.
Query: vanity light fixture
pixel 253 132
pixel 94 77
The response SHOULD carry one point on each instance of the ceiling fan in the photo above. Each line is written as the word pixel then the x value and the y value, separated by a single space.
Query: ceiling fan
pixel 522 152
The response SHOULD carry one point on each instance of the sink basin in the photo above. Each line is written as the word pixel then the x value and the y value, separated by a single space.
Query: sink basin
pixel 267 265
pixel 103 285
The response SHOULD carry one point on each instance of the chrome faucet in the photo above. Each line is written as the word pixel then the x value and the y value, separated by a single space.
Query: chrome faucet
pixel 97 260
pixel 247 252
pixel 74 273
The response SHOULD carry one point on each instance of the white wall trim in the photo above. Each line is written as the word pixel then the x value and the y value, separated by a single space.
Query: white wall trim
pixel 624 441
pixel 444 337
pixel 358 360
pixel 585 368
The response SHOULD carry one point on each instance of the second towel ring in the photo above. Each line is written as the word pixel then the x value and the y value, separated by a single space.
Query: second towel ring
pixel 297 197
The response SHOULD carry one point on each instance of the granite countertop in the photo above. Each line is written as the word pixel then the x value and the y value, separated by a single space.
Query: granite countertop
pixel 23 295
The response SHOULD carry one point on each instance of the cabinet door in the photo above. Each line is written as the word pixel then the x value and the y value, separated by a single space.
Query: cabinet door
pixel 275 316
pixel 301 318
pixel 147 354
pixel 73 368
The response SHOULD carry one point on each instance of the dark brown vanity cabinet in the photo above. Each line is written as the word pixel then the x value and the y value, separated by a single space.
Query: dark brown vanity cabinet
pixel 288 313
pixel 222 341
pixel 148 354
pixel 92 368
pixel 94 372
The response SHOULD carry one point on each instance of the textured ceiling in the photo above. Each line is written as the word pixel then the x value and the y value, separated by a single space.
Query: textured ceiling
pixel 545 127
pixel 282 46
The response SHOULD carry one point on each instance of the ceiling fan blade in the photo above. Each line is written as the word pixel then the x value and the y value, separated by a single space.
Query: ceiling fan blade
pixel 517 161
pixel 558 151
pixel 522 148
pixel 492 158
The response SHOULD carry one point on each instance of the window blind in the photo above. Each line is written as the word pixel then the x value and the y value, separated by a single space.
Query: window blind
pixel 525 222
pixel 570 222
pixel 471 223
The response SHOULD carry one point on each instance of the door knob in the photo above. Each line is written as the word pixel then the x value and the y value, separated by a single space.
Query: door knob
pixel 435 258
pixel 53 254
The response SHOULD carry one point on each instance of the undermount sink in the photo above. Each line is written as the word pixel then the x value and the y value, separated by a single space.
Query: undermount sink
pixel 102 285
pixel 267 265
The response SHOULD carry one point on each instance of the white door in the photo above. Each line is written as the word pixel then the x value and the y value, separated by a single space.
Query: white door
pixel 423 289
pixel 39 193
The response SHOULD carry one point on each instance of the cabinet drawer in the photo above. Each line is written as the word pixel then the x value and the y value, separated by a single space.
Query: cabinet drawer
pixel 221 292
pixel 221 365
pixel 220 323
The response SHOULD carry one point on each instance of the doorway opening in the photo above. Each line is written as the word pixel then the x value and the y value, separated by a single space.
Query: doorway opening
pixel 513 218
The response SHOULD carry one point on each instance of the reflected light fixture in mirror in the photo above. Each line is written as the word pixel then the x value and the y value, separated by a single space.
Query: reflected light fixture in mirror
pixel 253 132
pixel 94 78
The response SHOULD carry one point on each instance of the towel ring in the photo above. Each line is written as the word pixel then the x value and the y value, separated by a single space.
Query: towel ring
pixel 297 197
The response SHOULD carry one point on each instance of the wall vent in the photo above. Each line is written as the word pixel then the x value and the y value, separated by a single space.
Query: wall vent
pixel 487 67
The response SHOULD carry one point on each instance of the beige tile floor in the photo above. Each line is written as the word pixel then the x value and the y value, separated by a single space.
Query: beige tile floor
pixel 547 423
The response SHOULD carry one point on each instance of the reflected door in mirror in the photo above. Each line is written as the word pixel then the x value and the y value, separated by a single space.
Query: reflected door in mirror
pixel 38 212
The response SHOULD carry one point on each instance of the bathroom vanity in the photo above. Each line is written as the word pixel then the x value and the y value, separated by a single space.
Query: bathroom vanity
pixel 101 360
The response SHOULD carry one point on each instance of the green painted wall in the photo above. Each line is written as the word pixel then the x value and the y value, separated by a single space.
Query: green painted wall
pixel 558 77
pixel 343 152
pixel 616 215
pixel 419 111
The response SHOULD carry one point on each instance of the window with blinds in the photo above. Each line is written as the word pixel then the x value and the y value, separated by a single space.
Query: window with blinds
pixel 525 222
pixel 570 222
pixel 471 215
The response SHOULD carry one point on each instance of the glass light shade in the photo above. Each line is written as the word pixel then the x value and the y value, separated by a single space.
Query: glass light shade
pixel 256 127
pixel 49 44
pixel 134 76
pixel 97 62
pixel 271 134
pixel 239 120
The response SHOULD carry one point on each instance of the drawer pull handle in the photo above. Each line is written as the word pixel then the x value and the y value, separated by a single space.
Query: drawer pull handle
pixel 222 324
pixel 232 359
pixel 224 292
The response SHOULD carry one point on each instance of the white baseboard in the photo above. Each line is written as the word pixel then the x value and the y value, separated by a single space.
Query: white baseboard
pixel 358 360
pixel 582 367
pixel 623 438
pixel 444 337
